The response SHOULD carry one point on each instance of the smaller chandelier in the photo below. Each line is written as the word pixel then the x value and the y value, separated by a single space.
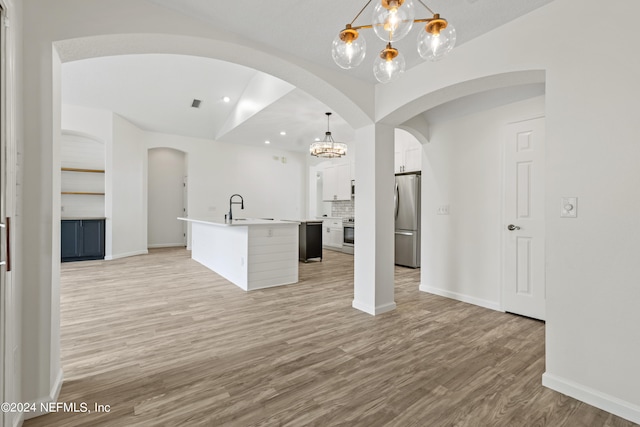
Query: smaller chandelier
pixel 392 20
pixel 328 148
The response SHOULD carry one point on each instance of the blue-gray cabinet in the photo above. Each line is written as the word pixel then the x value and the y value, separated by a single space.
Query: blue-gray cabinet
pixel 81 239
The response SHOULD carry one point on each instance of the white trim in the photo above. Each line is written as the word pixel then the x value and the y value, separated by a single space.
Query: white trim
pixel 18 420
pixel 52 397
pixel 165 245
pixel 373 310
pixel 606 402
pixel 492 305
pixel 125 255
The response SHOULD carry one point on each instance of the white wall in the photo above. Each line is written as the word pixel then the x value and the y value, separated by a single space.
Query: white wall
pixel 91 121
pixel 39 282
pixel 591 98
pixel 166 172
pixel 126 181
pixel 271 187
pixel 462 168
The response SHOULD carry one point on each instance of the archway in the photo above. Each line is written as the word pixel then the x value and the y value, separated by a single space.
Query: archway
pixel 41 350
pixel 449 189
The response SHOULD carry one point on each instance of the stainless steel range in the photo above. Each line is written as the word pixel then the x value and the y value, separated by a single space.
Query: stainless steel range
pixel 349 232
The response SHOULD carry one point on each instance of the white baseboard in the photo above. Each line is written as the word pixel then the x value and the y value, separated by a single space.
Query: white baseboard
pixel 462 297
pixel 611 404
pixel 125 255
pixel 166 245
pixel 18 420
pixel 373 310
pixel 52 397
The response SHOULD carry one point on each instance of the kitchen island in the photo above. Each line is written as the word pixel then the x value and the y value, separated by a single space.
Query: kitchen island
pixel 250 253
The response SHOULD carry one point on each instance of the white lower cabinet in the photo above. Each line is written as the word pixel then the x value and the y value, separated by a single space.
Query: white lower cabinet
pixel 332 233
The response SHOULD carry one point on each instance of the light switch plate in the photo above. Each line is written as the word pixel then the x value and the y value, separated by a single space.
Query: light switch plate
pixel 569 207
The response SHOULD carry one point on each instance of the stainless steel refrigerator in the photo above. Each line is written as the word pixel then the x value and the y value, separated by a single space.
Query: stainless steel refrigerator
pixel 407 213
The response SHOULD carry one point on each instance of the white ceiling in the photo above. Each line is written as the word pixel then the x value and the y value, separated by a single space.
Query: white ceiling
pixel 155 91
pixel 307 28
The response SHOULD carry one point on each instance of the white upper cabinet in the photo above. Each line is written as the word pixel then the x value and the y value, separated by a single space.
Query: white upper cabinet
pixel 408 152
pixel 336 184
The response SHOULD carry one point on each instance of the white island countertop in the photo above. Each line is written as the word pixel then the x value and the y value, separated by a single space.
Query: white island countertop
pixel 236 222
pixel 251 253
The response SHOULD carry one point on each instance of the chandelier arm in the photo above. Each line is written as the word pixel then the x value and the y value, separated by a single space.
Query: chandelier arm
pixel 360 13
pixel 427 7
pixel 360 27
pixel 369 26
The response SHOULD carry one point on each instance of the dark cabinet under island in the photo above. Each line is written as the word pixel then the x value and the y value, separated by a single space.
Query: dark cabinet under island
pixel 82 239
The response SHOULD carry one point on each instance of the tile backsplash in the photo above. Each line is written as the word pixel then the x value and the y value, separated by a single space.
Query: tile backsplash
pixel 343 209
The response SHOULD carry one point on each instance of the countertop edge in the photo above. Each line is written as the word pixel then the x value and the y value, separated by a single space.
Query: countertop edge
pixel 236 223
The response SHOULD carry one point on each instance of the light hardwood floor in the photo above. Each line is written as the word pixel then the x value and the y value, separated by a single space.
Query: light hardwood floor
pixel 166 342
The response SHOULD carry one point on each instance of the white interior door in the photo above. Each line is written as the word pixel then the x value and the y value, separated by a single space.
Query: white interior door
pixel 523 272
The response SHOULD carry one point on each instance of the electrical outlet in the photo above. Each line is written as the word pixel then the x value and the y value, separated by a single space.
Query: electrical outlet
pixel 443 210
pixel 270 232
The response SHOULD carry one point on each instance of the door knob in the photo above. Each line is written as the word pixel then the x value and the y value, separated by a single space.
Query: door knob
pixel 512 227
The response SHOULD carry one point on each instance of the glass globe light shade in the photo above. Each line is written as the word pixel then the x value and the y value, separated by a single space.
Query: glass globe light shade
pixel 388 70
pixel 394 23
pixel 436 45
pixel 348 54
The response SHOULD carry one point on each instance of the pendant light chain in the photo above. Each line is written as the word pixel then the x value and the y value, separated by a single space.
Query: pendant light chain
pixel 360 13
pixel 427 7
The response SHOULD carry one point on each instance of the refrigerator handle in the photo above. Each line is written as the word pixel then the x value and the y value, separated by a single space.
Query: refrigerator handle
pixel 396 198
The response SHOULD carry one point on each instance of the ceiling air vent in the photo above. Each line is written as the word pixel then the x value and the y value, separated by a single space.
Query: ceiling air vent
pixel 196 103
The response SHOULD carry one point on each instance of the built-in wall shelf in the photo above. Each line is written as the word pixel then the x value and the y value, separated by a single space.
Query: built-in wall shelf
pixel 83 193
pixel 82 175
pixel 83 170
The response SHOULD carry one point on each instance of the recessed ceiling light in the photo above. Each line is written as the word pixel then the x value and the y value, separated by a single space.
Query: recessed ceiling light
pixel 267 142
pixel 226 99
pixel 317 139
pixel 283 133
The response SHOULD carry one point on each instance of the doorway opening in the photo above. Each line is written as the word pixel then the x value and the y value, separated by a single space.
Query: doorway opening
pixel 166 197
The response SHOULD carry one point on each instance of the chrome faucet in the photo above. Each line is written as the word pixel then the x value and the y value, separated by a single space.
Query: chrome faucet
pixel 231 203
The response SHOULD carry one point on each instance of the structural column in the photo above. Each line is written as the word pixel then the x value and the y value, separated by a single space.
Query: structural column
pixel 40 252
pixel 374 213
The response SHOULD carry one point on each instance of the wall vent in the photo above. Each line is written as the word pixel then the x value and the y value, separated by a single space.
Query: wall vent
pixel 196 103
